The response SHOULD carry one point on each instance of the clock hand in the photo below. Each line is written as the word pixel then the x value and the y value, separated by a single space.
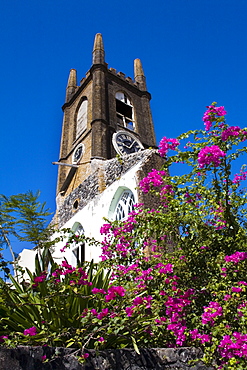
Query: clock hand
pixel 132 145
pixel 127 146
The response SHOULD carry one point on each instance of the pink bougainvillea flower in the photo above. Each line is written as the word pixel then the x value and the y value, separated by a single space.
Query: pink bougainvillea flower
pixel 137 301
pixel 96 290
pixel 166 144
pixel 236 289
pixel 129 311
pixel 210 155
pixel 105 228
pixel 103 313
pixel 211 312
pixel 3 337
pixel 239 177
pixel 39 279
pixel 236 257
pixel 211 114
pixel 94 312
pixel 242 283
pixel 113 292
pixel 31 331
pixel 154 178
pixel 230 131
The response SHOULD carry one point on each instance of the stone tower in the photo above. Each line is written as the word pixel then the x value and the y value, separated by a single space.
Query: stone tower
pixel 105 102
pixel 107 145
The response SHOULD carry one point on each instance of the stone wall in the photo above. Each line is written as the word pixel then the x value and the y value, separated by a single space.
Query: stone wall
pixel 104 173
pixel 30 358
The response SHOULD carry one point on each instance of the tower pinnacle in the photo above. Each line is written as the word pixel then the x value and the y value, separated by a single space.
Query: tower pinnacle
pixel 72 84
pixel 139 74
pixel 98 50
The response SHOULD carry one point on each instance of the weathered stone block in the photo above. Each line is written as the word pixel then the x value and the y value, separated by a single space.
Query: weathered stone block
pixel 30 358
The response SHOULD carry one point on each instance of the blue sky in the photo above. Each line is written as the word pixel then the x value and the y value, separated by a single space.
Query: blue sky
pixel 193 53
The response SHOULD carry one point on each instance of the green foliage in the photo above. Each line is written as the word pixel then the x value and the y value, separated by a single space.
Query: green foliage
pixel 52 305
pixel 24 217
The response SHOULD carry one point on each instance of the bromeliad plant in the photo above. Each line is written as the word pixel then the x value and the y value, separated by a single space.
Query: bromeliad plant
pixel 48 309
pixel 178 272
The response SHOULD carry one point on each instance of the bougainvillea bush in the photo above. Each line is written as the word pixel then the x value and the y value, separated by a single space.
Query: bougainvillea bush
pixel 178 272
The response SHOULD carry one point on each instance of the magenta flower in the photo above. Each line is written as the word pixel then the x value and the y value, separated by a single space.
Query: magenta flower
pixel 105 229
pixel 236 257
pixel 239 177
pixel 166 269
pixel 96 290
pixel 210 155
pixel 211 114
pixel 129 311
pixel 194 334
pixel 165 193
pixel 3 337
pixel 227 297
pixel 103 313
pixel 66 265
pixel 113 291
pixel 137 301
pixel 203 337
pixel 211 312
pixel 236 289
pixel 230 131
pixel 166 144
pixel 154 178
pixel 94 312
pixel 232 347
pixel 39 279
pixel 242 283
pixel 31 331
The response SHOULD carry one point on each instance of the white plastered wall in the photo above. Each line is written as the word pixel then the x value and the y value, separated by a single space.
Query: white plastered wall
pixel 91 217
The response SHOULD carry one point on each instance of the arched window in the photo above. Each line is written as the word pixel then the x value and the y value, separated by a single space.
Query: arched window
pixel 78 250
pixel 81 120
pixel 124 109
pixel 125 205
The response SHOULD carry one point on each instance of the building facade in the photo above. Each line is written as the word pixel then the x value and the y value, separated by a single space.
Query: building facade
pixel 107 146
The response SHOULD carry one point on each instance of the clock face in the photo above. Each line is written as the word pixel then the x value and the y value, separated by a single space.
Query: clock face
pixel 78 153
pixel 125 143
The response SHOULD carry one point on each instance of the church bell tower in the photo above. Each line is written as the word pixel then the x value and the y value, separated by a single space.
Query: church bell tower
pixel 107 146
pixel 105 103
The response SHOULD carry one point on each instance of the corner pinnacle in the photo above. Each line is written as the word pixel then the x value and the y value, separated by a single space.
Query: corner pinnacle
pixel 98 50
pixel 72 84
pixel 139 74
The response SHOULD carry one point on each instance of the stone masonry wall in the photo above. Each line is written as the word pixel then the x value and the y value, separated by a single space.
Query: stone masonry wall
pixel 104 173
pixel 29 358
